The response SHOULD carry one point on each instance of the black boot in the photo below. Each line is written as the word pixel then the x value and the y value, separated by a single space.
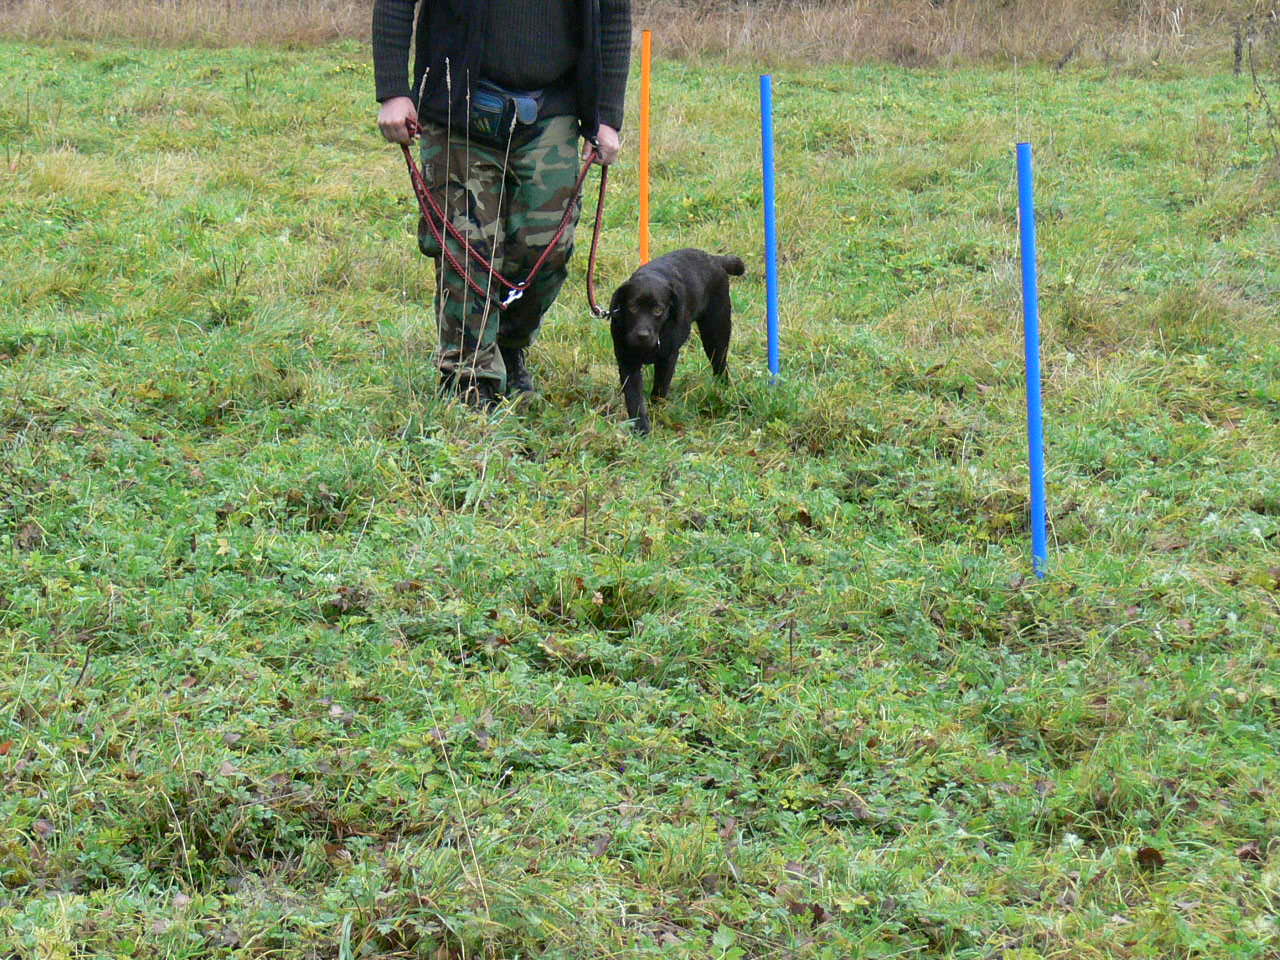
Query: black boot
pixel 478 393
pixel 448 384
pixel 518 378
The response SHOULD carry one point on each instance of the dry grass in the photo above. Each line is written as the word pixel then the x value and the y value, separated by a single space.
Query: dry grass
pixel 918 32
pixel 911 32
pixel 173 23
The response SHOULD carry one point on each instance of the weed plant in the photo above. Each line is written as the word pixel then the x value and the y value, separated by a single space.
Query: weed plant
pixel 297 661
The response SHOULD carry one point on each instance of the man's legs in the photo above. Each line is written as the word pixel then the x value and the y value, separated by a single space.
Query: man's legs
pixel 510 225
pixel 543 174
pixel 466 179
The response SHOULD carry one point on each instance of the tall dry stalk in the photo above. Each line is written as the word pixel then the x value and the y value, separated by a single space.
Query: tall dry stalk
pixel 1258 36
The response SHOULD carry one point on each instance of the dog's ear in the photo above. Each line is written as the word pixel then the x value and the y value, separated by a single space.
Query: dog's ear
pixel 675 305
pixel 619 299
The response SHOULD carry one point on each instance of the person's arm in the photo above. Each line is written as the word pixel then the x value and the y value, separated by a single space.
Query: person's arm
pixel 392 35
pixel 615 57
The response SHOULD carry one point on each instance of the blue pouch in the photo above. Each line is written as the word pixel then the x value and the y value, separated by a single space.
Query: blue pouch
pixel 498 113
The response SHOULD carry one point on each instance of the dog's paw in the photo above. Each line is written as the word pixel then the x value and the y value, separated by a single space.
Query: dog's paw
pixel 640 426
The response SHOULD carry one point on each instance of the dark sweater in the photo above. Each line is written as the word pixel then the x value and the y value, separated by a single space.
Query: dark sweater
pixel 528 44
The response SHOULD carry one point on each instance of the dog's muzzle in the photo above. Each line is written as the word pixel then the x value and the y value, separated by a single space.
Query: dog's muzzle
pixel 644 340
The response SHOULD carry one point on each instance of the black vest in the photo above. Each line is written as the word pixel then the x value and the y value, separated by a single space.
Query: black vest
pixel 454 30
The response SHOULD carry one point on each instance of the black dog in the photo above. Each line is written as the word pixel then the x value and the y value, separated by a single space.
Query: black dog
pixel 652 313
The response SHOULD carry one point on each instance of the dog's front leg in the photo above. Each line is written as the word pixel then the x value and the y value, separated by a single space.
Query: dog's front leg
pixel 632 377
pixel 664 369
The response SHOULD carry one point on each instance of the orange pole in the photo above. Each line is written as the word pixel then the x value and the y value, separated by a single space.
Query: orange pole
pixel 646 62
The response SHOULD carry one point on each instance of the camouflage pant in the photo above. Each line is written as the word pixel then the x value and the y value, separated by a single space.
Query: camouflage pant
pixel 509 212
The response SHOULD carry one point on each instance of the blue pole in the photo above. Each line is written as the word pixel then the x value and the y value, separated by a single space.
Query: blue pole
pixel 1031 327
pixel 770 222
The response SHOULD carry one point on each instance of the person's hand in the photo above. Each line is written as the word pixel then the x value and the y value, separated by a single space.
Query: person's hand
pixel 608 144
pixel 394 118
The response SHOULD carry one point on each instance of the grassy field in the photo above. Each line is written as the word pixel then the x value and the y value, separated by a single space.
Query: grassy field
pixel 298 662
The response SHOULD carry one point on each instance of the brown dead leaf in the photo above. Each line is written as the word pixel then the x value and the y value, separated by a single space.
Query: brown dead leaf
pixel 346 600
pixel 227 937
pixel 228 769
pixel 30 536
pixel 5 748
pixel 43 828
pixel 1250 852
pixel 799 871
pixel 816 912
pixel 601 845
pixel 1149 858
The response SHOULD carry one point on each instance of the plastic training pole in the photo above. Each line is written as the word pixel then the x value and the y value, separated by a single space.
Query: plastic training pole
pixel 646 71
pixel 1031 326
pixel 770 222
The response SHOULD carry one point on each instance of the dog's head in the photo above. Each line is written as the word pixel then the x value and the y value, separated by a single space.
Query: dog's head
pixel 640 309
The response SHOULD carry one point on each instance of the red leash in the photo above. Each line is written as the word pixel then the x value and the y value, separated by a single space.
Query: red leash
pixel 595 242
pixel 439 226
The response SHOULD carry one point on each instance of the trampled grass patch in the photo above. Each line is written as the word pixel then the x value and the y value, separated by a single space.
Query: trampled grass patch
pixel 299 662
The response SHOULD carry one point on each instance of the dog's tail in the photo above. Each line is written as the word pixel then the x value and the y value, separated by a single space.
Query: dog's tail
pixel 732 265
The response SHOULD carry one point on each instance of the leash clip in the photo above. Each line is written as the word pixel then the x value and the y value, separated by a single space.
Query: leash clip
pixel 512 297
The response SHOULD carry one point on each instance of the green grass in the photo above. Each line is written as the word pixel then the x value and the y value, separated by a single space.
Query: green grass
pixel 296 661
